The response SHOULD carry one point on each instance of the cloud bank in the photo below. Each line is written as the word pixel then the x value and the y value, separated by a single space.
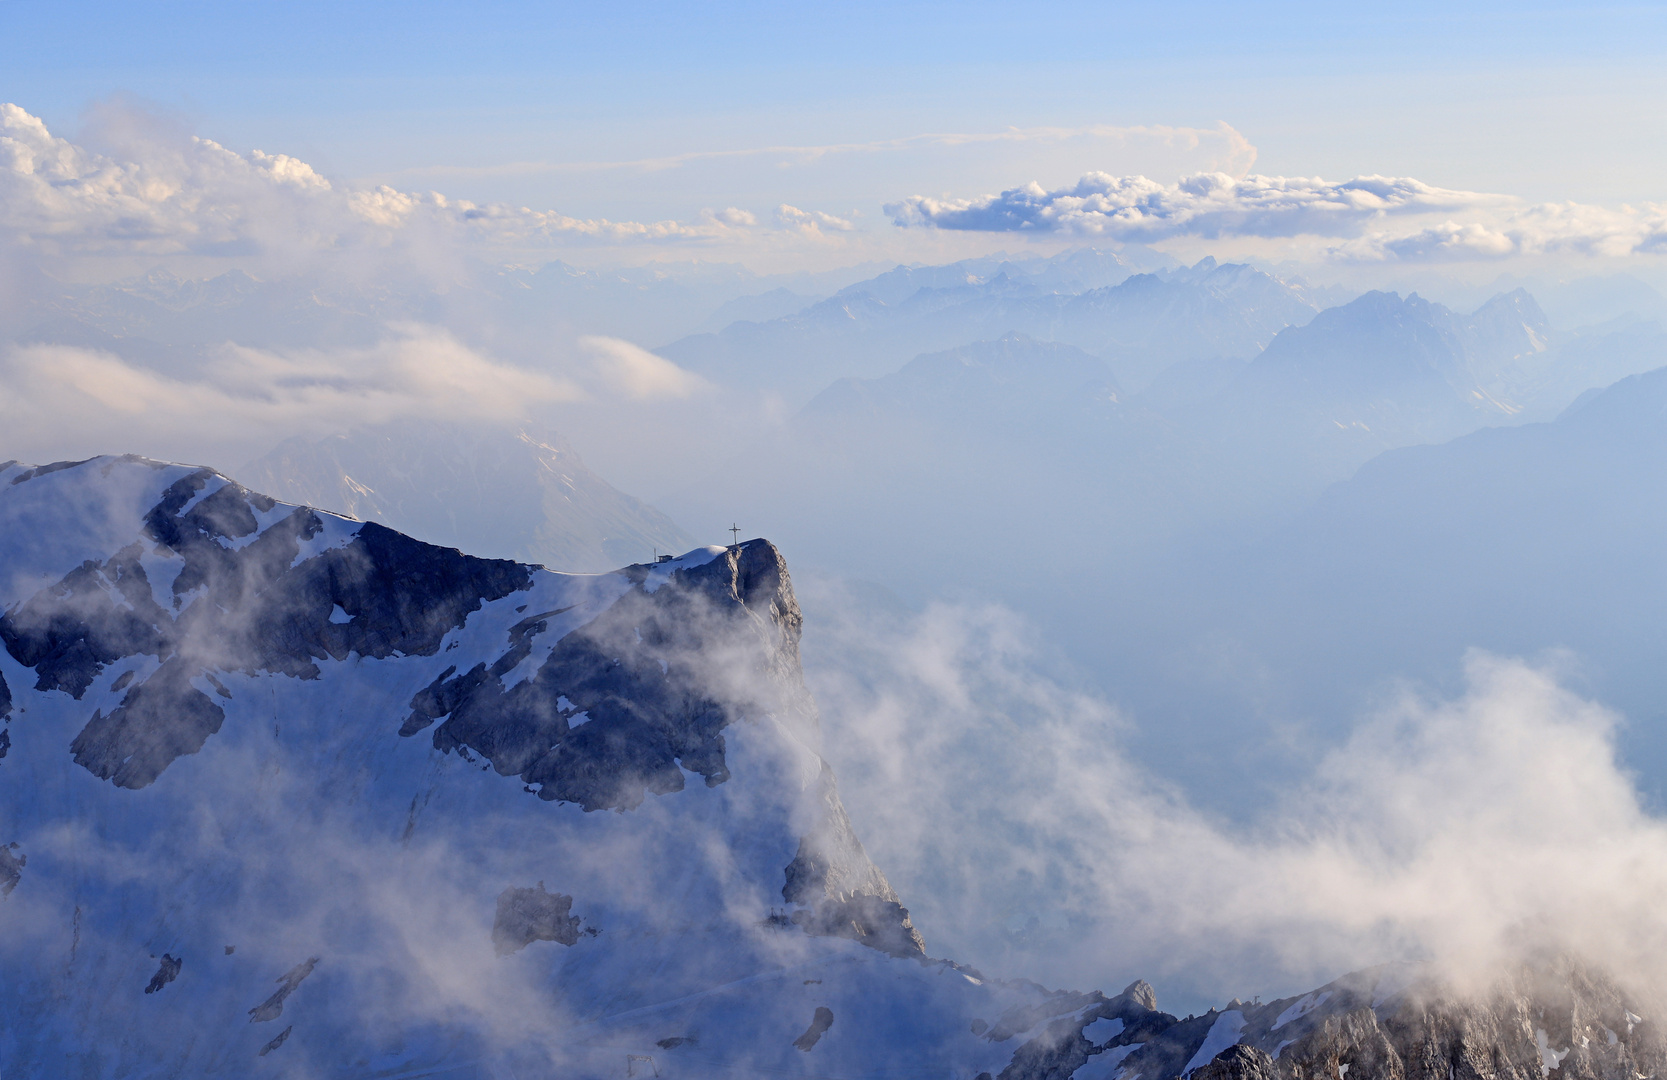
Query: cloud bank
pixel 1362 211
pixel 189 195
pixel 237 401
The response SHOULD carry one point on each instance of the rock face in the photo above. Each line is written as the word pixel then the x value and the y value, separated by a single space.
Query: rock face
pixel 529 915
pixel 1397 1022
pixel 311 763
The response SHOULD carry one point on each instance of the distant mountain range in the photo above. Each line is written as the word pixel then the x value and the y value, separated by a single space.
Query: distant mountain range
pixel 1139 325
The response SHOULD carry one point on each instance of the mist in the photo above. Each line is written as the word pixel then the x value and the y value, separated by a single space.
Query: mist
pixel 1009 803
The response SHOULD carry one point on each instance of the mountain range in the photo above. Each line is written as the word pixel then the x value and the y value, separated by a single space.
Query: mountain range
pixel 1139 325
pixel 292 795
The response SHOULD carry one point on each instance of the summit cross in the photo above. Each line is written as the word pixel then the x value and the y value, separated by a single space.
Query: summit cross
pixel 736 531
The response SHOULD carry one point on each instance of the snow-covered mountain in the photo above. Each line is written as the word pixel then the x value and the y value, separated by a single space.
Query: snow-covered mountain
pixel 288 794
pixel 284 794
pixel 503 492
pixel 1385 370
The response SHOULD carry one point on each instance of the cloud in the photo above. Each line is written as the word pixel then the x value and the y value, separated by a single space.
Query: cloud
pixel 1205 204
pixel 637 373
pixel 237 401
pixel 732 217
pixel 1550 229
pixel 1024 838
pixel 1216 205
pixel 187 195
pixel 809 221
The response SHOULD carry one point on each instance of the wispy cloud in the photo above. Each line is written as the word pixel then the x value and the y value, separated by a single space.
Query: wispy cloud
pixel 1003 804
pixel 240 400
pixel 1230 150
pixel 635 372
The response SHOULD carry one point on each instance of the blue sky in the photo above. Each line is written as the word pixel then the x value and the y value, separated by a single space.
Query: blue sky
pixel 490 101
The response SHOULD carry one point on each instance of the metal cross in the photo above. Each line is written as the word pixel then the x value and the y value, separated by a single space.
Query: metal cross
pixel 736 530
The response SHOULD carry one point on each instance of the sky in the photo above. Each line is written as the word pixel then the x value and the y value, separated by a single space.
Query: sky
pixel 659 112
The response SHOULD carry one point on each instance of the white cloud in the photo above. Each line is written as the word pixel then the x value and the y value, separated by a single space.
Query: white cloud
pixel 1204 204
pixel 1004 807
pixel 637 373
pixel 1361 210
pixel 731 216
pixel 1549 228
pixel 809 221
pixel 193 196
pixel 55 400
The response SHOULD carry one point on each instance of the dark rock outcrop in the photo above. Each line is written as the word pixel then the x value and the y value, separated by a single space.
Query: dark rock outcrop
pixel 876 922
pixel 11 868
pixel 657 677
pixel 820 1022
pixel 242 600
pixel 1397 1022
pixel 277 1041
pixel 273 1007
pixel 528 915
pixel 842 892
pixel 166 972
pixel 1060 1048
pixel 1239 1062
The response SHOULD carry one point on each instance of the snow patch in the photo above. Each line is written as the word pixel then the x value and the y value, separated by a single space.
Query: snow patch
pixel 1303 1005
pixel 339 616
pixel 213 486
pixel 660 573
pixel 579 719
pixel 337 532
pixel 1224 1032
pixel 1103 1030
pixel 264 519
pixel 1549 1058
pixel 161 567
pixel 1105 1066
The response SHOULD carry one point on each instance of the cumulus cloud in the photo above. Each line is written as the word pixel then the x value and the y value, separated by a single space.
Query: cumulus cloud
pixel 1205 204
pixel 1551 228
pixel 635 372
pixel 809 221
pixel 1361 210
pixel 237 401
pixel 190 195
